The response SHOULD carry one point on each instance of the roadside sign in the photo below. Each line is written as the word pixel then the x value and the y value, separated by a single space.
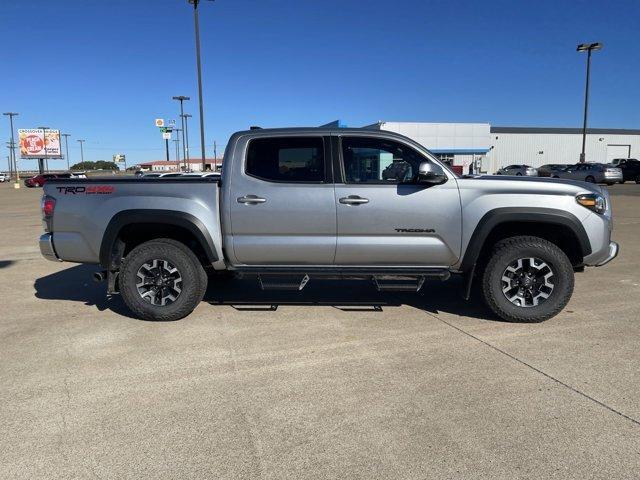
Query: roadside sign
pixel 166 135
pixel 172 123
pixel 159 122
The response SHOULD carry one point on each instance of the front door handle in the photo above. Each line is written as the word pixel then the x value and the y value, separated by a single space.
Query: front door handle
pixel 353 200
pixel 251 200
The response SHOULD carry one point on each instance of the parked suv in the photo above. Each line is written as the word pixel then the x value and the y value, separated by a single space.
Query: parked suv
pixel 518 170
pixel 40 180
pixel 630 168
pixel 591 172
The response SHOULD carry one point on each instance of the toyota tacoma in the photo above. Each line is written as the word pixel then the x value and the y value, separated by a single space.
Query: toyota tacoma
pixel 297 204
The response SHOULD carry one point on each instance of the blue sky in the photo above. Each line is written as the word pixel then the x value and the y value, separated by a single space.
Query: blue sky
pixel 103 71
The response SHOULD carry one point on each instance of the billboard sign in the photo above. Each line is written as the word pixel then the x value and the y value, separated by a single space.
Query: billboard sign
pixel 159 122
pixel 33 143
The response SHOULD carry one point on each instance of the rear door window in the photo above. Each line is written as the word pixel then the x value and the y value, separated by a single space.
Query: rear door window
pixel 286 159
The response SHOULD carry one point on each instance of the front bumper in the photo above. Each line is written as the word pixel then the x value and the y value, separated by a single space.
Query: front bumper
pixel 46 248
pixel 613 253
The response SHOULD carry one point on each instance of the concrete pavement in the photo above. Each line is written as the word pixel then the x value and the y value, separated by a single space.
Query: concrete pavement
pixel 341 382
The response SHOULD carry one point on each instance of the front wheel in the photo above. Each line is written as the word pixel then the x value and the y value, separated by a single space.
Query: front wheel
pixel 527 279
pixel 162 280
pixel 590 179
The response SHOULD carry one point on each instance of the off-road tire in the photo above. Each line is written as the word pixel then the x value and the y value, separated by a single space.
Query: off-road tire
pixel 509 250
pixel 194 279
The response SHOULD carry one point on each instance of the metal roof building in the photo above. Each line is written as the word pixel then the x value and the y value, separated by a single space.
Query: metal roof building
pixel 490 147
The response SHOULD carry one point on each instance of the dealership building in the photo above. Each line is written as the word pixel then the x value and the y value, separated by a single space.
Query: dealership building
pixel 489 147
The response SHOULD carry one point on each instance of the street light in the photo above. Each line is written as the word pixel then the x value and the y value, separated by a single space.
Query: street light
pixel 186 117
pixel 44 138
pixel 586 47
pixel 196 22
pixel 12 150
pixel 81 142
pixel 181 99
pixel 66 146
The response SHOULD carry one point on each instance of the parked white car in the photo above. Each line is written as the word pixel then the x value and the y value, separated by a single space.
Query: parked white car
pixel 4 177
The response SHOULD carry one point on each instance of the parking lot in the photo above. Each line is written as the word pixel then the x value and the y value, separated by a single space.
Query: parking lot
pixel 340 382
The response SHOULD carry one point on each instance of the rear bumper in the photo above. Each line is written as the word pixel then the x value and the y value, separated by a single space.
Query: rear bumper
pixel 613 253
pixel 46 248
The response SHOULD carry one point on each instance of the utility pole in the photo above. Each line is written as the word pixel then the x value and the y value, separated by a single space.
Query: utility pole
pixel 66 146
pixel 166 146
pixel 177 142
pixel 186 136
pixel 181 99
pixel 196 21
pixel 586 47
pixel 12 147
pixel 81 142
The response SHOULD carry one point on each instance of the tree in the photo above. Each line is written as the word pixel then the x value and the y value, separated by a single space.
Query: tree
pixel 84 166
pixel 105 165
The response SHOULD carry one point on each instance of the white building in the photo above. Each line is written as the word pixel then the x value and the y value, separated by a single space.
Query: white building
pixel 490 148
pixel 539 146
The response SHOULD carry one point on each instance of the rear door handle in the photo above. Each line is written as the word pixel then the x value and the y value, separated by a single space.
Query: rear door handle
pixel 353 200
pixel 251 199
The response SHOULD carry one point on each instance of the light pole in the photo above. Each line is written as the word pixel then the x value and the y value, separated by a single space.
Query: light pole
pixel 81 142
pixel 177 142
pixel 44 139
pixel 181 99
pixel 12 153
pixel 186 135
pixel 66 146
pixel 586 47
pixel 196 22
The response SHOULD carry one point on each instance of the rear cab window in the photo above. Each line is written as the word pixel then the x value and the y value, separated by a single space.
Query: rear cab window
pixel 287 159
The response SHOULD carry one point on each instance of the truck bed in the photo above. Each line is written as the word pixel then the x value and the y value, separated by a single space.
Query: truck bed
pixel 85 208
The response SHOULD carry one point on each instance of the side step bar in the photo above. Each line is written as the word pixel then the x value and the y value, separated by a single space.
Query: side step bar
pixel 281 282
pixel 384 281
pixel 390 283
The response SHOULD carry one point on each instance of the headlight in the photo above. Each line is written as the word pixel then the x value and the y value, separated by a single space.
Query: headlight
pixel 592 201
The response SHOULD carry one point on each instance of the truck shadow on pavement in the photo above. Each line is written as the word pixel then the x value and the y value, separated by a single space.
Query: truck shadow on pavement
pixel 76 284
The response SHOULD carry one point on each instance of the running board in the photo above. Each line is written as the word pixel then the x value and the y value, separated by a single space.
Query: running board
pixel 281 282
pixel 392 283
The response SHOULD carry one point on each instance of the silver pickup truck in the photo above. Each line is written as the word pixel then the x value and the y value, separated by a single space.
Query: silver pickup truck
pixel 303 203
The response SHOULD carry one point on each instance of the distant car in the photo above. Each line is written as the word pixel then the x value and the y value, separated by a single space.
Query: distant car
pixel 78 175
pixel 40 180
pixel 518 170
pixel 4 177
pixel 549 169
pixel 151 174
pixel 171 174
pixel 591 173
pixel 630 168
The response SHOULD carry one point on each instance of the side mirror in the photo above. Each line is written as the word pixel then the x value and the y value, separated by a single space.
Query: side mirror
pixel 431 174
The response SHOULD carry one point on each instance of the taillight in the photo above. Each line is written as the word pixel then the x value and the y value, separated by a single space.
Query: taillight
pixel 48 206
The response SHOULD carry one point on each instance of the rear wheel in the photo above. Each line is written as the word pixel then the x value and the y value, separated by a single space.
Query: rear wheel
pixel 527 279
pixel 638 179
pixel 590 179
pixel 162 280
